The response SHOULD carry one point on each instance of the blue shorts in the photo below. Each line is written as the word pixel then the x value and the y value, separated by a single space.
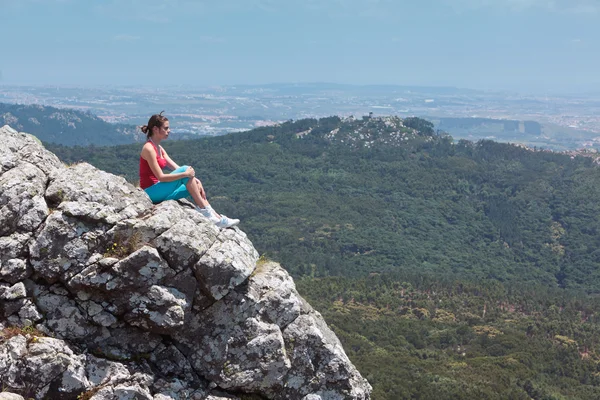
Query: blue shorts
pixel 173 190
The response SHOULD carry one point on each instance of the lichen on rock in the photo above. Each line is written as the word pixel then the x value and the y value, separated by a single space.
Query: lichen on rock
pixel 106 296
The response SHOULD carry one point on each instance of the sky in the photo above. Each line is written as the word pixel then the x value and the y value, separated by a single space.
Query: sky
pixel 518 45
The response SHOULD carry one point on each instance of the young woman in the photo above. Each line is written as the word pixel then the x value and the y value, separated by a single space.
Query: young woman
pixel 181 182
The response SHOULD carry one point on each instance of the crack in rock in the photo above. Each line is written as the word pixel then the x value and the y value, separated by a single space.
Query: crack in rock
pixel 109 295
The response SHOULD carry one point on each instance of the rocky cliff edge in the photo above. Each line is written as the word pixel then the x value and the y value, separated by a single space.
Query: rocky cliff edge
pixel 105 296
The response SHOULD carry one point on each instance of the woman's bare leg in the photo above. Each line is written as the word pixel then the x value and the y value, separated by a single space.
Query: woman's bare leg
pixel 203 195
pixel 196 192
pixel 194 187
pixel 201 188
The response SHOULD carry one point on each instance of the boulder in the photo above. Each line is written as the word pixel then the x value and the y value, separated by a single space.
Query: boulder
pixel 104 295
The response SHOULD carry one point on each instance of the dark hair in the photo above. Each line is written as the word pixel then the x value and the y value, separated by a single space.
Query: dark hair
pixel 155 120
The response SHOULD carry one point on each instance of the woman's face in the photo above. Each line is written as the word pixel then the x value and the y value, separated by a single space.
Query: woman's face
pixel 162 132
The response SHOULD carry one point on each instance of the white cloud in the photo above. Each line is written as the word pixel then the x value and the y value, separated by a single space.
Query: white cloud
pixel 155 10
pixel 126 38
pixel 22 4
pixel 160 11
pixel 585 8
pixel 212 39
pixel 166 11
pixel 27 2
pixel 577 43
pixel 570 6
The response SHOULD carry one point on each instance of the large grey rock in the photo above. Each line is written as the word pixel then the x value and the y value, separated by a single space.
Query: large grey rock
pixel 22 206
pixel 42 367
pixel 10 396
pixel 141 301
pixel 265 338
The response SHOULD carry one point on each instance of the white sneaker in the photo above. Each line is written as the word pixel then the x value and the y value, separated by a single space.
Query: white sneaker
pixel 209 213
pixel 227 222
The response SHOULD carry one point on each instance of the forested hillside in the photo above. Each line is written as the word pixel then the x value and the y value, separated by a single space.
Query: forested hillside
pixel 373 198
pixel 64 126
pixel 415 337
pixel 449 270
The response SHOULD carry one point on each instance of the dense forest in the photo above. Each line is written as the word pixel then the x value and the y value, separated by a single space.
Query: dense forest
pixel 415 337
pixel 448 269
pixel 66 126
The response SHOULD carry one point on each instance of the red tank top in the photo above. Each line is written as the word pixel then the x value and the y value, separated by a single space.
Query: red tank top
pixel 147 177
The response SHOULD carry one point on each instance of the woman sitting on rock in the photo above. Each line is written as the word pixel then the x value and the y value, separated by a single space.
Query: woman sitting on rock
pixel 180 183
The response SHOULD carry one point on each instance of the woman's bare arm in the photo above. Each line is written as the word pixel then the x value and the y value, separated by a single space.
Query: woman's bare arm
pixel 149 154
pixel 170 163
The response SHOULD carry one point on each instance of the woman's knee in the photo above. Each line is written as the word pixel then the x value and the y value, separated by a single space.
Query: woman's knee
pixel 191 184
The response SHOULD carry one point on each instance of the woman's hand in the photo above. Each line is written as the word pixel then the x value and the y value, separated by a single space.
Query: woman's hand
pixel 190 173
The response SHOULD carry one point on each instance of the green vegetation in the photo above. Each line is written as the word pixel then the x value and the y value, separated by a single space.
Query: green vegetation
pixel 448 270
pixel 436 339
pixel 322 207
pixel 63 126
pixel 123 245
pixel 30 332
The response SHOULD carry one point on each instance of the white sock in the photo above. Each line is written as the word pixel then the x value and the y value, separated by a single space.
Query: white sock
pixel 208 213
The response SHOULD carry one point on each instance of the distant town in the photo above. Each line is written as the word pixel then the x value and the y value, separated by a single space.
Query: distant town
pixel 567 122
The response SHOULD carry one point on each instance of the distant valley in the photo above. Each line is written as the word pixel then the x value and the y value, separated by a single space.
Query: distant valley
pixel 566 122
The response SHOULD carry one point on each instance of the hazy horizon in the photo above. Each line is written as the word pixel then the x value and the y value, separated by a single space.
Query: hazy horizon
pixel 191 87
pixel 524 46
